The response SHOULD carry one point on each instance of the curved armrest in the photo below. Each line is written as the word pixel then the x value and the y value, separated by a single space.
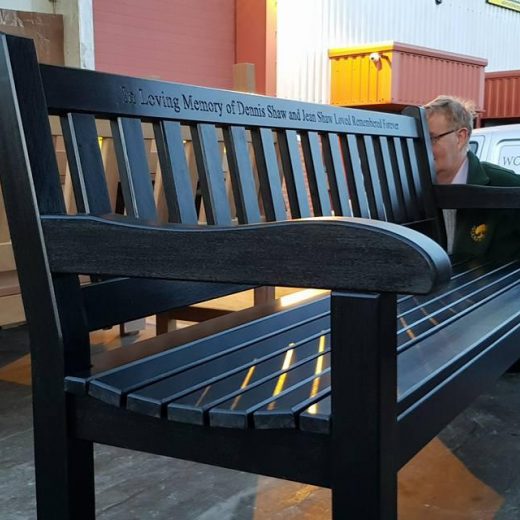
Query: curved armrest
pixel 465 196
pixel 328 253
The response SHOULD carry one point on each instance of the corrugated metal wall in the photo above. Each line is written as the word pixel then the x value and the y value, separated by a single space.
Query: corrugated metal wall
pixel 502 95
pixel 394 75
pixel 308 28
pixel 190 41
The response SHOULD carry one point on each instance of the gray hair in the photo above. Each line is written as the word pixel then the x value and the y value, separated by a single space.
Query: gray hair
pixel 459 112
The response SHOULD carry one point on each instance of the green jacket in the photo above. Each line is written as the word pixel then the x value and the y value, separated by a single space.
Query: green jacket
pixel 494 232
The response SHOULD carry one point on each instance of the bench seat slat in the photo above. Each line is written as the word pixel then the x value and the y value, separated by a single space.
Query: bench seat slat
pixel 237 412
pixel 412 303
pixel 443 351
pixel 455 312
pixel 285 410
pixel 461 289
pixel 316 418
pixel 122 379
pixel 264 357
pixel 455 301
pixel 462 269
pixel 192 408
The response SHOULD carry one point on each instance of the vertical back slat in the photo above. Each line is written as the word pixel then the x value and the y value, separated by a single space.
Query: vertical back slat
pixel 427 173
pixel 394 208
pixel 85 163
pixel 268 174
pixel 367 181
pixel 382 173
pixel 416 176
pixel 175 174
pixel 134 171
pixel 316 174
pixel 211 175
pixel 408 199
pixel 373 179
pixel 293 173
pixel 337 176
pixel 241 172
pixel 355 176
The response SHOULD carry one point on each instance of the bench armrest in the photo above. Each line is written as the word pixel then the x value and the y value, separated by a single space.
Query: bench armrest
pixel 465 196
pixel 328 253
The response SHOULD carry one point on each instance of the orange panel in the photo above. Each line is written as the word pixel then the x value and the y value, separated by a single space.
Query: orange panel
pixel 357 80
pixel 502 95
pixel 394 75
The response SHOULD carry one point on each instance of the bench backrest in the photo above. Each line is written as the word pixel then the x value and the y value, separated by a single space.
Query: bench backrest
pixel 286 159
pixel 321 160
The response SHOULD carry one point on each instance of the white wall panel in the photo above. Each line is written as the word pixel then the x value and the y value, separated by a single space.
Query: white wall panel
pixel 308 28
pixel 37 6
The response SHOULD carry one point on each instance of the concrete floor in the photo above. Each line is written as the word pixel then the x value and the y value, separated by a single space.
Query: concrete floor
pixel 469 472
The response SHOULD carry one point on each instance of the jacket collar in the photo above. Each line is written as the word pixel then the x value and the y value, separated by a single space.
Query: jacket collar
pixel 476 173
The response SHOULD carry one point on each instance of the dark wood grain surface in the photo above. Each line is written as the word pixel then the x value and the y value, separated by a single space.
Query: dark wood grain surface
pixel 342 253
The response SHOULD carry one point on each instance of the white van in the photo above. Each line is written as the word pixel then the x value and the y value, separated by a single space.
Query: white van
pixel 498 144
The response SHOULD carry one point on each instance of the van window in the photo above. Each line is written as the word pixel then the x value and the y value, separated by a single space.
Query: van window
pixel 509 155
pixel 475 144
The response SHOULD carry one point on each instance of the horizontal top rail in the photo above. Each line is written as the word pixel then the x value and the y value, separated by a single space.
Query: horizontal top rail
pixel 93 92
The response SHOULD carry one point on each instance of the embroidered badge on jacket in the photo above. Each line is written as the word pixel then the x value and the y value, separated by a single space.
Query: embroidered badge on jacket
pixel 478 233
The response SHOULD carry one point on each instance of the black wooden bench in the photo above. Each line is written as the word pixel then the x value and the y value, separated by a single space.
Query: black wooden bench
pixel 336 391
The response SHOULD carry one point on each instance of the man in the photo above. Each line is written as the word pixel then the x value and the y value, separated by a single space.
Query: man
pixel 470 232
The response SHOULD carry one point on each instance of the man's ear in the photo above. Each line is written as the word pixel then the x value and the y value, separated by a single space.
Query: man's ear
pixel 463 137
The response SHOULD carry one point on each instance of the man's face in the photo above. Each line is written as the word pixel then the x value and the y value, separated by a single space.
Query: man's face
pixel 449 146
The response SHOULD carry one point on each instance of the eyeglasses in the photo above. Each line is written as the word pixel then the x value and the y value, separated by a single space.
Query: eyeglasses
pixel 436 138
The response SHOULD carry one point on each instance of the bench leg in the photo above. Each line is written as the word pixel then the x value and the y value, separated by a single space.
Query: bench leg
pixel 64 466
pixel 364 408
pixel 64 470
